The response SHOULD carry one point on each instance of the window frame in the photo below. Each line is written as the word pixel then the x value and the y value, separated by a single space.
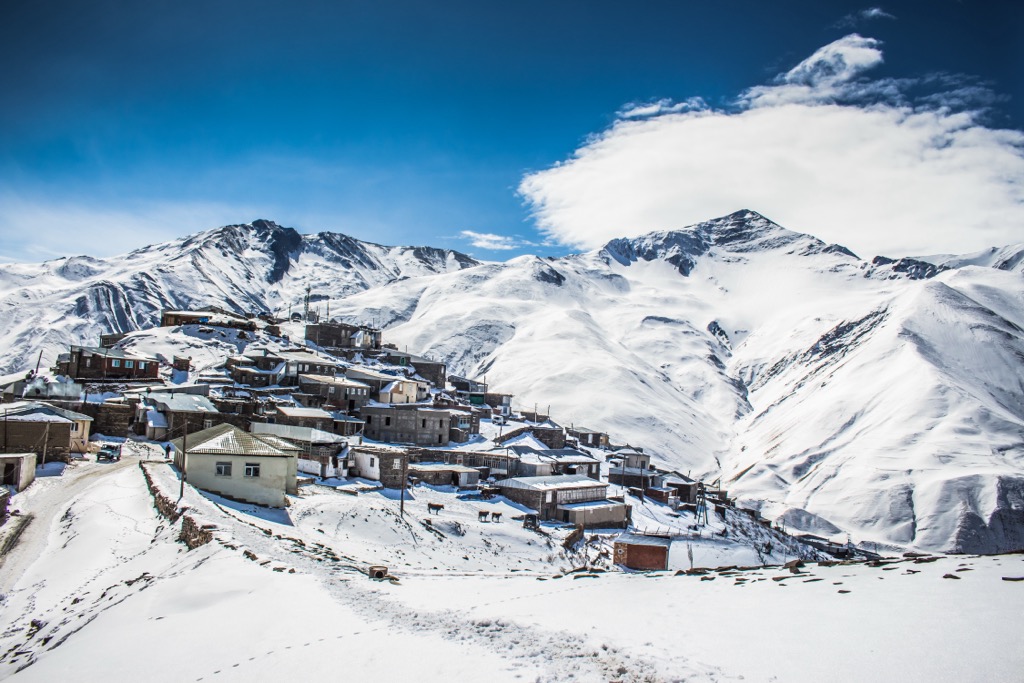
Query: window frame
pixel 252 470
pixel 222 468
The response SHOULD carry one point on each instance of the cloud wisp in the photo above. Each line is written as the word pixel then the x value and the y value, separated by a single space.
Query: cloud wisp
pixel 873 164
pixel 494 242
pixel 857 18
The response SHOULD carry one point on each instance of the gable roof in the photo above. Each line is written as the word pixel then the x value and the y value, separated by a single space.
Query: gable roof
pixel 227 439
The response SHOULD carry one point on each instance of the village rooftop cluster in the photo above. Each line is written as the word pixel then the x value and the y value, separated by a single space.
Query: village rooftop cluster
pixel 344 409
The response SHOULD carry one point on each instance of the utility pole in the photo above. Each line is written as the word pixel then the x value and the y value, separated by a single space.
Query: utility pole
pixel 184 459
pixel 405 479
pixel 46 440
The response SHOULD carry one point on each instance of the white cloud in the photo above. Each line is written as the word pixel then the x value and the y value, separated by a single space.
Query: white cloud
pixel 869 14
pixel 822 149
pixel 489 240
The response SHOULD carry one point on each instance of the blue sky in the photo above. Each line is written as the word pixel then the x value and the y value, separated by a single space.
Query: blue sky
pixel 477 125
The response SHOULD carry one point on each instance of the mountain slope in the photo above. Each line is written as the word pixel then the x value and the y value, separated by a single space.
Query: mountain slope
pixel 254 267
pixel 882 397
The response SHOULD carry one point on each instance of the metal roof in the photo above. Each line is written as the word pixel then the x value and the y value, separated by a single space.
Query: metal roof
pixel 226 439
pixel 642 539
pixel 548 483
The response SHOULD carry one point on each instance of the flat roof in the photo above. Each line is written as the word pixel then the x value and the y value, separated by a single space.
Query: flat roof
pixel 549 483
pixel 440 467
pixel 643 539
pixel 297 411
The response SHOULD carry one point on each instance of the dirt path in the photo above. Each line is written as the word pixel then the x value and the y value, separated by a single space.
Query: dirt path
pixel 24 537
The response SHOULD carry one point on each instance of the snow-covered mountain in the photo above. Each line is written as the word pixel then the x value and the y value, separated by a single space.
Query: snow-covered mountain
pixel 259 266
pixel 881 397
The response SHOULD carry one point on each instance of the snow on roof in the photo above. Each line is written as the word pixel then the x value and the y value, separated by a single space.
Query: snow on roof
pixel 156 419
pixel 362 370
pixel 567 481
pixel 32 411
pixel 316 436
pixel 641 539
pixel 181 403
pixel 340 380
pixel 298 411
pixel 591 505
pixel 112 353
pixel 440 467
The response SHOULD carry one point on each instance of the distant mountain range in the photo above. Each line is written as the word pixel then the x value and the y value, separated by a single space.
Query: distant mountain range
pixel 884 398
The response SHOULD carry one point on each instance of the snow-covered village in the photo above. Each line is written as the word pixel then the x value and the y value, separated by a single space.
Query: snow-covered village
pixel 293 487
pixel 537 342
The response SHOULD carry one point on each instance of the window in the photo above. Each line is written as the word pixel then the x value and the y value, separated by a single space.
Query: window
pixel 207 424
pixel 252 469
pixel 424 423
pixel 116 363
pixel 224 469
pixel 397 464
pixel 387 421
pixel 142 365
pixel 371 462
pixel 74 426
pixel 88 362
pixel 439 437
pixel 129 364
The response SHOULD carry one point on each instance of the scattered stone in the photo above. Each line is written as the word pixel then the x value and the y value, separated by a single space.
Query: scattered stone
pixel 1013 578
pixel 950 576
pixel 841 590
pixel 250 555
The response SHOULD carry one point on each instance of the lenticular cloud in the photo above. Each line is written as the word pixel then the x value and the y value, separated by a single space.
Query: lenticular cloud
pixel 822 149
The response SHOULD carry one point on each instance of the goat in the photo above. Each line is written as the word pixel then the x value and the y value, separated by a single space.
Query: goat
pixel 482 515
pixel 434 508
pixel 495 516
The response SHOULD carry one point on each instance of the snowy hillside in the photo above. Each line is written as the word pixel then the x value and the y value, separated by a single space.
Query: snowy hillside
pixel 881 397
pixel 255 267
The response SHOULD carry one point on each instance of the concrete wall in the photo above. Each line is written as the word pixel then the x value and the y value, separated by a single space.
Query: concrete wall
pixel 604 516
pixel 277 476
pixel 22 469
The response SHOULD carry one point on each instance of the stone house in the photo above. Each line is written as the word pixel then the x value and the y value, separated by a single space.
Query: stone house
pixel 591 438
pixel 411 424
pixel 344 336
pixel 389 467
pixel 445 474
pixel 238 465
pixel 631 467
pixel 433 371
pixel 574 498
pixel 298 416
pixel 164 415
pixel 400 391
pixel 50 432
pixel 468 390
pixel 323 454
pixel 338 392
pixel 534 462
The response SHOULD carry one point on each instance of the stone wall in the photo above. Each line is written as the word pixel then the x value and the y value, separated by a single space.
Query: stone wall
pixel 192 533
